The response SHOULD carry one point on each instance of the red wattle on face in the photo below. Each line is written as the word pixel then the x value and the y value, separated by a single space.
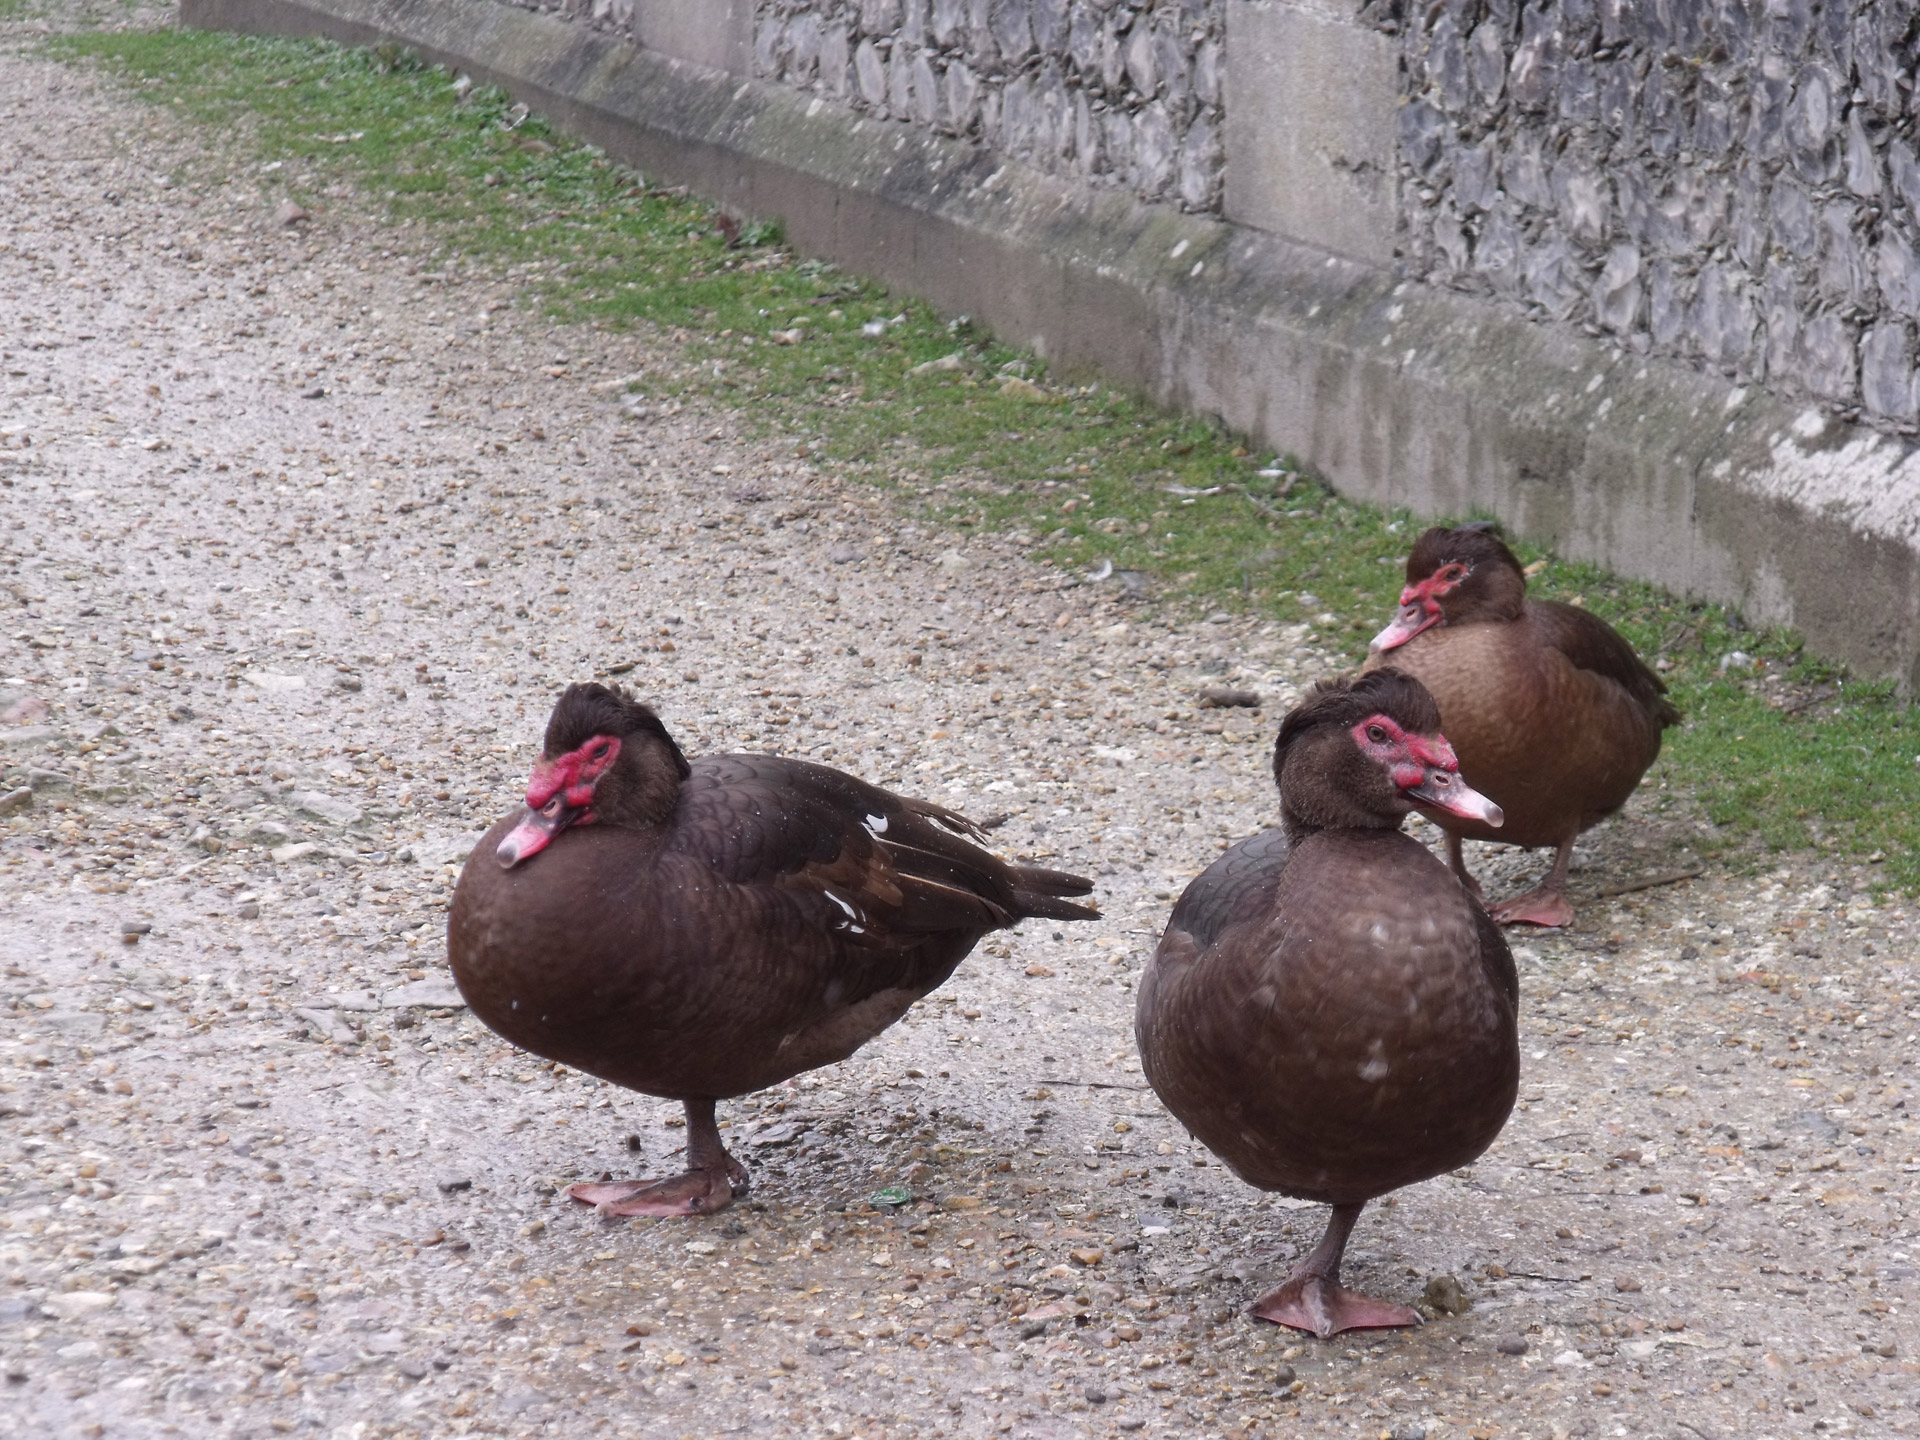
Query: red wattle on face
pixel 1419 607
pixel 575 773
pixel 548 779
pixel 1423 768
pixel 559 794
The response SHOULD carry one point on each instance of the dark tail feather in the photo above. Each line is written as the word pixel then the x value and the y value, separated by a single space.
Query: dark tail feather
pixel 1041 894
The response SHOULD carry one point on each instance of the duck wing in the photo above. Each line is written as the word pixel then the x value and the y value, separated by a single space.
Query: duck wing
pixel 1595 646
pixel 868 864
pixel 1496 955
pixel 1236 887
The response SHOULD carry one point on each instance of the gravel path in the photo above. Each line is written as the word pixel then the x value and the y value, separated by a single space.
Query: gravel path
pixel 305 530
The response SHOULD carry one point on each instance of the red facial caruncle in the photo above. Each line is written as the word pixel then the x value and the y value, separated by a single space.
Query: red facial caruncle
pixel 1424 769
pixel 1420 605
pixel 559 794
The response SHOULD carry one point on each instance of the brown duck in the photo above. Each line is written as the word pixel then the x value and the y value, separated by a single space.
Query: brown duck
pixel 1552 713
pixel 1330 1011
pixel 700 930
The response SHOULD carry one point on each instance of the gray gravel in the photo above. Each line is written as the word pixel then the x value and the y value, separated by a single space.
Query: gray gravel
pixel 305 529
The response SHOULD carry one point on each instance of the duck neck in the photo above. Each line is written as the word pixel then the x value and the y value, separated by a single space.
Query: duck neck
pixel 1299 825
pixel 643 789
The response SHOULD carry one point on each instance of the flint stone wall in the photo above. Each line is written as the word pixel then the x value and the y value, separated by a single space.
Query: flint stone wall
pixel 1111 93
pixel 1733 183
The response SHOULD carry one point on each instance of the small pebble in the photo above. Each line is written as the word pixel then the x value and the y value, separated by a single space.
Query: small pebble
pixel 1512 1345
pixel 1221 697
pixel 1446 1295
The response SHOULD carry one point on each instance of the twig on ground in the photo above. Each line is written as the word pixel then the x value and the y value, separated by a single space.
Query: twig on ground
pixel 1649 882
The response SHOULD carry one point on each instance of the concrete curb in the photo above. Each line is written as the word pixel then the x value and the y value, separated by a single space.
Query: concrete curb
pixel 1398 393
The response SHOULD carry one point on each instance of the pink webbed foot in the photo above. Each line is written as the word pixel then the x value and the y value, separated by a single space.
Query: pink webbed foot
pixel 697 1192
pixel 1537 907
pixel 1324 1307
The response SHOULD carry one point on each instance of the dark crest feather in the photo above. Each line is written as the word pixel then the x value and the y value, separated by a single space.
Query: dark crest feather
pixel 1476 544
pixel 1346 702
pixel 588 709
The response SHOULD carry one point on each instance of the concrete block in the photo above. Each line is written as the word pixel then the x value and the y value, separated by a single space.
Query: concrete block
pixel 1312 99
pixel 715 33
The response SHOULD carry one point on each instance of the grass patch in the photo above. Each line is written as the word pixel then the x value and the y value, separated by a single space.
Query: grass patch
pixel 1779 751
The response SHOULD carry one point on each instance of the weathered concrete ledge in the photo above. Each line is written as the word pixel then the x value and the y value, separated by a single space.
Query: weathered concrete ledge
pixel 1398 393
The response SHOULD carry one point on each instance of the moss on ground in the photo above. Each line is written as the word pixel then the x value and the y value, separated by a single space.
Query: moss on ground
pixel 1779 751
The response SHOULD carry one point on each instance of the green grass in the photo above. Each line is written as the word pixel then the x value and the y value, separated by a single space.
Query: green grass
pixel 987 443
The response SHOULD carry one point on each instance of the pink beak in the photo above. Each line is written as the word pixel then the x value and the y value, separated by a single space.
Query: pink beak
pixel 1445 790
pixel 1412 619
pixel 536 831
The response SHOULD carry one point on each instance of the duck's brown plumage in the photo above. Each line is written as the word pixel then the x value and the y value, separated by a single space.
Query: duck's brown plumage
pixel 1552 713
pixel 1329 1010
pixel 706 929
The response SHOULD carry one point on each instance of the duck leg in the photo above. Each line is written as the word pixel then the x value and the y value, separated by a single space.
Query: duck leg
pixel 712 1179
pixel 1546 903
pixel 1457 862
pixel 1312 1297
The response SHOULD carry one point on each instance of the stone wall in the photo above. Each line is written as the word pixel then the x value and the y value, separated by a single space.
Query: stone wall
pixel 1732 183
pixel 1103 91
pixel 1108 92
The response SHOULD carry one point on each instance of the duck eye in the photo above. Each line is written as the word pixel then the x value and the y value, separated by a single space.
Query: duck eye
pixel 1376 734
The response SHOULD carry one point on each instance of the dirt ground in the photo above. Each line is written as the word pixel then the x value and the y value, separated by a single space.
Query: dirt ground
pixel 305 529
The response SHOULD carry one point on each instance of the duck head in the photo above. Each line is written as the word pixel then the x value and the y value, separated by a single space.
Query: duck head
pixel 607 760
pixel 1454 576
pixel 1362 754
